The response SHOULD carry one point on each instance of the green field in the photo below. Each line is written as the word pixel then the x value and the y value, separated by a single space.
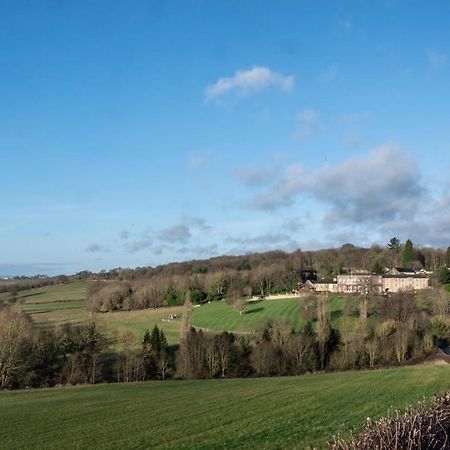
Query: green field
pixel 60 303
pixel 66 303
pixel 287 412
pixel 219 316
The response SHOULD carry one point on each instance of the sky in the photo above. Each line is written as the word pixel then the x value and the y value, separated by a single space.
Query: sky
pixel 138 133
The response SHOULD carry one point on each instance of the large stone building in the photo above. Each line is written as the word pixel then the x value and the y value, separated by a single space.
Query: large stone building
pixel 363 282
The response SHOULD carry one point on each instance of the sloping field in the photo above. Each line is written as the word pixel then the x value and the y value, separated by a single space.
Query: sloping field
pixel 66 303
pixel 220 316
pixel 59 303
pixel 271 413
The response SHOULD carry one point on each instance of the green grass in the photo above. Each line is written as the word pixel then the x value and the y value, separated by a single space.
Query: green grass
pixel 219 316
pixel 61 303
pixel 66 303
pixel 139 321
pixel 270 413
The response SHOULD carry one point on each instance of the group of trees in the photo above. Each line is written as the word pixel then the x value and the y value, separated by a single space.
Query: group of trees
pixel 371 332
pixel 262 274
pixel 32 356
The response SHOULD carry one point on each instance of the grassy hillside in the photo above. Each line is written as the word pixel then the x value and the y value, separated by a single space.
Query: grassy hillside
pixel 66 303
pixel 290 412
pixel 55 304
pixel 220 316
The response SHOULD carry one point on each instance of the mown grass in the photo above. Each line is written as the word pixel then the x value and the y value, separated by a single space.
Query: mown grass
pixel 220 316
pixel 270 413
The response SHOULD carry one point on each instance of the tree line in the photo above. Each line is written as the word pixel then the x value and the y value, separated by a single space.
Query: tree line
pixel 259 274
pixel 372 332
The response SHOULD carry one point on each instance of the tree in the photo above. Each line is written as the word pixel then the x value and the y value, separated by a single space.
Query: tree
pixel 191 356
pixel 323 327
pixel 444 275
pixel 185 324
pixel 302 350
pixel 447 257
pixel 409 255
pixel 15 331
pixel 394 244
pixel 308 307
pixel 240 305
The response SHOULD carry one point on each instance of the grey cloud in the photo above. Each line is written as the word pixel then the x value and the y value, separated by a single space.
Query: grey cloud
pixel 141 244
pixel 158 241
pixel 293 224
pixel 381 185
pixel 253 176
pixel 177 233
pixel 281 241
pixel 124 235
pixel 95 248
pixel 292 181
pixel 199 250
pixel 197 223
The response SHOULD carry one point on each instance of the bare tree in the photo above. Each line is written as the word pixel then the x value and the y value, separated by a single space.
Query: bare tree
pixel 15 331
pixel 323 327
pixel 186 321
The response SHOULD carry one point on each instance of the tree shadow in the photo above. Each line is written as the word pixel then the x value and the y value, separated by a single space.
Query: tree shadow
pixel 31 295
pixel 253 310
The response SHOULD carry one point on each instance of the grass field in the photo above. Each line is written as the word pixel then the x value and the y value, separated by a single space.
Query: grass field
pixel 220 316
pixel 60 303
pixel 289 412
pixel 66 303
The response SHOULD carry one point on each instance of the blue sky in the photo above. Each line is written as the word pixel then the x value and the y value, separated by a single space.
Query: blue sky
pixel 137 133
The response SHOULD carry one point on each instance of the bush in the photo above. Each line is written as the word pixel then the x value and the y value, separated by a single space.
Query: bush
pixel 423 426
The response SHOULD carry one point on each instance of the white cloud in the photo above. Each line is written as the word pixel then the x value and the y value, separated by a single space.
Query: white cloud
pixel 307 124
pixel 245 82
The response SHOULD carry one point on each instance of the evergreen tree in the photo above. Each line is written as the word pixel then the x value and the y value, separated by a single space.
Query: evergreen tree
pixel 155 342
pixel 409 255
pixel 163 341
pixel 443 275
pixel 394 244
pixel 447 257
pixel 148 356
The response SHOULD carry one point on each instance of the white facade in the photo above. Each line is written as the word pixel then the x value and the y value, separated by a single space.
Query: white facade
pixel 362 283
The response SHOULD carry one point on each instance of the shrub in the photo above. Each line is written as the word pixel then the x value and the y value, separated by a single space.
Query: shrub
pixel 423 426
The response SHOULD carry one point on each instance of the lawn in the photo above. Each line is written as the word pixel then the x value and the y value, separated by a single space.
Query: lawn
pixel 220 316
pixel 271 413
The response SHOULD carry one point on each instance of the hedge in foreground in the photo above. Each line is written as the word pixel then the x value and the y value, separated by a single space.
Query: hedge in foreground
pixel 425 425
